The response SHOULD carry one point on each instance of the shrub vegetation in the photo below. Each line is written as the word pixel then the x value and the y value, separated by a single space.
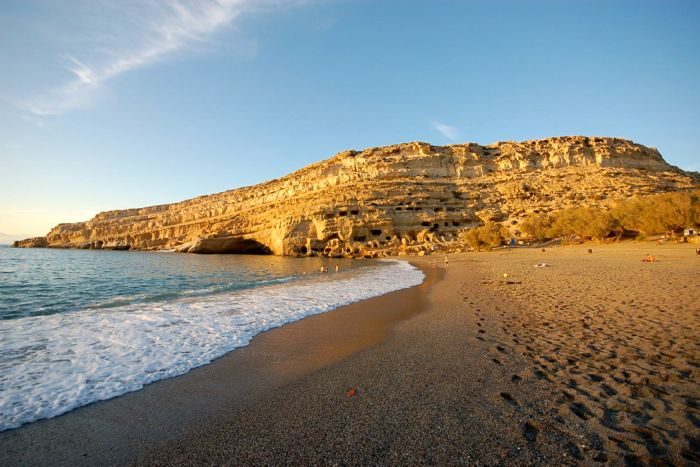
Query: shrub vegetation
pixel 486 237
pixel 667 213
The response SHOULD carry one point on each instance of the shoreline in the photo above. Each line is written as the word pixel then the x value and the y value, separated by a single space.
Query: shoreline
pixel 590 359
pixel 118 430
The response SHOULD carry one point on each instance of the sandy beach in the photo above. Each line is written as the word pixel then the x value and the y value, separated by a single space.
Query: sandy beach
pixel 592 358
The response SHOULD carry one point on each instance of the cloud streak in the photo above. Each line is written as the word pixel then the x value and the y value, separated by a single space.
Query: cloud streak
pixel 449 132
pixel 151 31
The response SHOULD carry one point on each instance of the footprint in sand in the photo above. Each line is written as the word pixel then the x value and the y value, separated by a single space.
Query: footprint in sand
pixel 608 390
pixel 693 451
pixel 530 431
pixel 568 396
pixel 508 397
pixel 692 402
pixel 694 419
pixel 581 410
pixel 654 448
pixel 574 450
pixel 632 460
pixel 610 420
pixel 620 443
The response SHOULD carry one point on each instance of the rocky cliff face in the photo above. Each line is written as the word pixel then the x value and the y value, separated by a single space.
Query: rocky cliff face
pixel 404 198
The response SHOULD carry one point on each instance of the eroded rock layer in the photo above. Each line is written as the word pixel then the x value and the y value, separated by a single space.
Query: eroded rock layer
pixel 402 198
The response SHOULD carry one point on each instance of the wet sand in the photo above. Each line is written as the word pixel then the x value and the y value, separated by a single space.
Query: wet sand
pixel 591 359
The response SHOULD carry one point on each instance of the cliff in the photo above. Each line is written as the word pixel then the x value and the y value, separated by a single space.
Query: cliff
pixel 403 198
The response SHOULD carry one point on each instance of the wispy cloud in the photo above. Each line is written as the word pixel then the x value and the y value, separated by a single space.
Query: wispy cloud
pixel 447 131
pixel 151 31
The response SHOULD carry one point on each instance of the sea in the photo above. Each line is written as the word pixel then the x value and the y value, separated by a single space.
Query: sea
pixel 79 326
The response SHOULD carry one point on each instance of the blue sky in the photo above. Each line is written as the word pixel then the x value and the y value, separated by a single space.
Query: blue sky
pixel 125 103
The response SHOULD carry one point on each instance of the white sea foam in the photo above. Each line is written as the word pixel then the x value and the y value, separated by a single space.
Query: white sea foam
pixel 52 364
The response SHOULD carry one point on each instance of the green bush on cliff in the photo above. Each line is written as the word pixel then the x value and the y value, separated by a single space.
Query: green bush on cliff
pixel 666 213
pixel 661 214
pixel 588 223
pixel 537 226
pixel 485 237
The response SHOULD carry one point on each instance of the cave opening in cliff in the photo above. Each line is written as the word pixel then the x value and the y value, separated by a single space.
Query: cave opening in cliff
pixel 232 245
pixel 248 247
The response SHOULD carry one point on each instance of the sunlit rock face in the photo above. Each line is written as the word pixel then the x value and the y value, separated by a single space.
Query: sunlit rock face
pixel 404 198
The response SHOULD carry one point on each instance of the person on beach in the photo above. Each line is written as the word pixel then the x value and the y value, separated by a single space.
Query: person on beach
pixel 336 268
pixel 446 261
pixel 648 258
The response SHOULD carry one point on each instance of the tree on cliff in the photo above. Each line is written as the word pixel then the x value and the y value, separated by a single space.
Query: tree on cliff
pixel 666 213
pixel 486 237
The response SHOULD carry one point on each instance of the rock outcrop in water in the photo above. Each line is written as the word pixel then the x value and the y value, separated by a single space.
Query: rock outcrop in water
pixel 404 198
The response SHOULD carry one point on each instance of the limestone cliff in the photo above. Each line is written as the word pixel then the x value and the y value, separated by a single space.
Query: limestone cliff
pixel 401 198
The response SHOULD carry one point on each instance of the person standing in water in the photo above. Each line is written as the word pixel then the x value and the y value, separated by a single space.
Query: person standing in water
pixel 446 261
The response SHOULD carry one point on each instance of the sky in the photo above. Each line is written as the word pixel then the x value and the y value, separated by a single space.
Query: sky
pixel 111 104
